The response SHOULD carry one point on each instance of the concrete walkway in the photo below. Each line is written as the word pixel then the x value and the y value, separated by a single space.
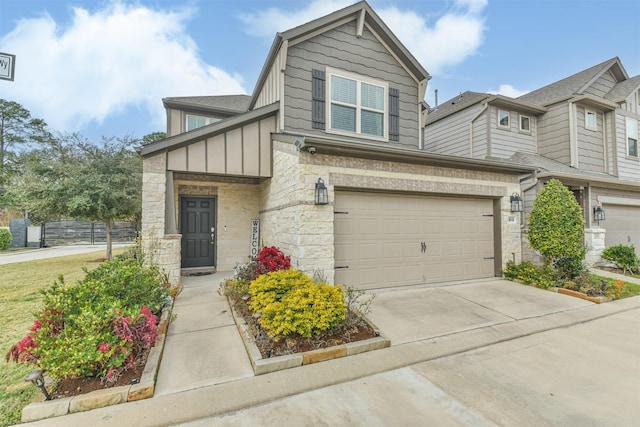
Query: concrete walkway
pixel 205 371
pixel 54 252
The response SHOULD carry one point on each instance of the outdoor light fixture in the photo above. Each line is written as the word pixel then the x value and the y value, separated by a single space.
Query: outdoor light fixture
pixel 38 380
pixel 516 203
pixel 322 195
pixel 598 213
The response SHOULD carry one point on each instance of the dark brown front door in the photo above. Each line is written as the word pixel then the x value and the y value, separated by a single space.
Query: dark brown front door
pixel 197 224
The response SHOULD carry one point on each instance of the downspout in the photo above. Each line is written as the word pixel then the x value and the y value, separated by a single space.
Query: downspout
pixel 484 108
pixel 422 90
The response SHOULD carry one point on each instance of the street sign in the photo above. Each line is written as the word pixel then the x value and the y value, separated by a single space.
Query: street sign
pixel 7 66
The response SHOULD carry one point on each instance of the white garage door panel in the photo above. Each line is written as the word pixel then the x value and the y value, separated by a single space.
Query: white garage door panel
pixel 622 224
pixel 386 250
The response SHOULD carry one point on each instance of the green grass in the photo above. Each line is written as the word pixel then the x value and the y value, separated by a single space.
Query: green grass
pixel 632 289
pixel 20 284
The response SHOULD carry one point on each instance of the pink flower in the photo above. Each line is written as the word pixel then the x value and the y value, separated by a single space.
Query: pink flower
pixel 104 348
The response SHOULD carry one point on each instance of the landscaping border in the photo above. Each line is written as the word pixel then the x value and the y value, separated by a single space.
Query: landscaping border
pixel 261 365
pixel 108 396
pixel 571 292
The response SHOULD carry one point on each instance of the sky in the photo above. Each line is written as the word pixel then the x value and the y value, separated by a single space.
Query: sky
pixel 102 67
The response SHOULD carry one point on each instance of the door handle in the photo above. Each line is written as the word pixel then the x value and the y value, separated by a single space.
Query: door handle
pixel 213 235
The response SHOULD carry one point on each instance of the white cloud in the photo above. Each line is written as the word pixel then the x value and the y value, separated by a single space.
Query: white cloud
pixel 453 37
pixel 106 61
pixel 508 90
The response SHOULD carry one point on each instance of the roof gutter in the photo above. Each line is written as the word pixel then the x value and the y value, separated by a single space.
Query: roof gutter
pixel 608 182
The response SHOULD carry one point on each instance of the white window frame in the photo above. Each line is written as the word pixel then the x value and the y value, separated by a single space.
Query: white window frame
pixel 208 121
pixel 630 137
pixel 508 125
pixel 587 114
pixel 359 80
pixel 528 121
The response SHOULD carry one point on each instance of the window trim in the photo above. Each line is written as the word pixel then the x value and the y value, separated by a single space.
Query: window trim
pixel 588 112
pixel 629 137
pixel 522 116
pixel 508 125
pixel 209 120
pixel 359 80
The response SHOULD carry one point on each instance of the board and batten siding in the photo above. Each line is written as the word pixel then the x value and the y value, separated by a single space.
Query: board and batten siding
pixel 504 142
pixel 339 48
pixel 270 91
pixel 244 151
pixel 450 135
pixel 602 85
pixel 628 167
pixel 553 133
pixel 591 156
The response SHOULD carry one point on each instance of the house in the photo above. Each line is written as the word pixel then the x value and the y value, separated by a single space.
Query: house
pixel 582 130
pixel 325 160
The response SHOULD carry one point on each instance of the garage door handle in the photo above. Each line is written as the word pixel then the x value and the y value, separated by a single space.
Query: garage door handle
pixel 489 257
pixel 423 247
pixel 341 267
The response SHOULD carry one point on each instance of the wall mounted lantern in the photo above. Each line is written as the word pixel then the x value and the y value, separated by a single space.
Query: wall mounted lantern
pixel 322 194
pixel 516 203
pixel 598 213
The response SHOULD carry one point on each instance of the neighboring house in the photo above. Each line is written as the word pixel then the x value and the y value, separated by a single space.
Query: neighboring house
pixel 338 107
pixel 582 130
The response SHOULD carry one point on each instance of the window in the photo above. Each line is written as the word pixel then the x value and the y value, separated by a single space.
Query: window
pixel 503 118
pixel 194 122
pixel 632 137
pixel 357 104
pixel 525 123
pixel 590 120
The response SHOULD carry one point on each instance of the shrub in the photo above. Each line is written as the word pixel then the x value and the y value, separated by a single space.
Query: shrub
pixel 616 289
pixel 290 303
pixel 531 274
pixel 5 239
pixel 556 225
pixel 570 267
pixel 623 256
pixel 273 259
pixel 98 327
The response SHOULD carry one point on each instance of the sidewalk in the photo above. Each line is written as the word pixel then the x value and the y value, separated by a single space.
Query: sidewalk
pixel 206 372
pixel 54 252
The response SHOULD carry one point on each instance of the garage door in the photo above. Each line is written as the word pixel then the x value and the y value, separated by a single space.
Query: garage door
pixel 622 224
pixel 384 240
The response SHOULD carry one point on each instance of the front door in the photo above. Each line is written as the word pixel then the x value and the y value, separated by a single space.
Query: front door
pixel 197 224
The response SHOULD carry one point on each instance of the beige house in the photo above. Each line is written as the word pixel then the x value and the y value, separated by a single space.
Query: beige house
pixel 582 130
pixel 326 161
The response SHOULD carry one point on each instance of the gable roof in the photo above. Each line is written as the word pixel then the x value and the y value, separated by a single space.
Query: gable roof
pixel 360 12
pixel 467 99
pixel 574 84
pixel 225 104
pixel 622 90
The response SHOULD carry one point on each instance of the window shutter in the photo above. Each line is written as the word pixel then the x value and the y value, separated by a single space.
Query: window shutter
pixel 318 99
pixel 394 114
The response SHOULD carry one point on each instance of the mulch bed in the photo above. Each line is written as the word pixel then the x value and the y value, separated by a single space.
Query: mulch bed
pixel 69 387
pixel 270 348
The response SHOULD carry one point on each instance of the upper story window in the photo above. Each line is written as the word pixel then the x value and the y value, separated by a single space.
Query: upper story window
pixel 525 123
pixel 194 122
pixel 590 120
pixel 357 104
pixel 503 119
pixel 632 137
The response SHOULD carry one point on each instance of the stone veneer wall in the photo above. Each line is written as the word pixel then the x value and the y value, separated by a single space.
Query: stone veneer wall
pixel 292 222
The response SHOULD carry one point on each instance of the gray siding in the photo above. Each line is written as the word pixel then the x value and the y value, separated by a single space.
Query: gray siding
pixel 451 135
pixel 602 85
pixel 505 142
pixel 341 49
pixel 632 103
pixel 553 134
pixel 628 167
pixel 590 142
pixel 611 146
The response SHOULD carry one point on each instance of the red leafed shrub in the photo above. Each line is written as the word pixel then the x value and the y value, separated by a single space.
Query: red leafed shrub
pixel 271 259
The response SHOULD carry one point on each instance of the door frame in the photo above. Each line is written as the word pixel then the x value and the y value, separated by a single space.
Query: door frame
pixel 214 200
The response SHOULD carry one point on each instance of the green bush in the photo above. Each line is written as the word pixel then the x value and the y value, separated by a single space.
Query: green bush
pixel 5 239
pixel 623 256
pixel 531 274
pixel 98 327
pixel 291 303
pixel 556 224
pixel 570 267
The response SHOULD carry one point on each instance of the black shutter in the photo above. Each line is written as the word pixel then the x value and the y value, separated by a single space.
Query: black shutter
pixel 394 114
pixel 317 99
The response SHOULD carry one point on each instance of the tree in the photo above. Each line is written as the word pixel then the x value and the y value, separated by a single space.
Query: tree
pixel 17 127
pixel 70 177
pixel 556 224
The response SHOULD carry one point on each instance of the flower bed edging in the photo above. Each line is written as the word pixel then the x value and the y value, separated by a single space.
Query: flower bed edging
pixel 597 300
pixel 271 364
pixel 109 396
